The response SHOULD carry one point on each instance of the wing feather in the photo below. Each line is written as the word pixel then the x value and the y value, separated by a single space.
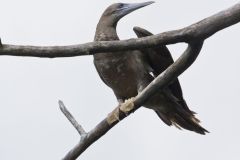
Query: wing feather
pixel 159 58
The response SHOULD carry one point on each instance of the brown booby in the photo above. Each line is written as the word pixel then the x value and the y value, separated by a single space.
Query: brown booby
pixel 129 72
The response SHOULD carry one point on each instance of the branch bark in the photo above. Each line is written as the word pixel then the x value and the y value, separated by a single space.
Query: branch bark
pixel 200 30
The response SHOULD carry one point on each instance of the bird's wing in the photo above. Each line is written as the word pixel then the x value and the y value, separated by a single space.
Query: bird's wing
pixel 159 58
pixel 99 73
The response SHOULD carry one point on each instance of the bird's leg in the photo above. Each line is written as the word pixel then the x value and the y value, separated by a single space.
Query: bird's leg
pixel 120 101
pixel 123 108
pixel 127 106
pixel 114 115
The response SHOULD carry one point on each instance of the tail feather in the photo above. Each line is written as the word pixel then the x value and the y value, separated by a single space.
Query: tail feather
pixel 185 106
pixel 164 118
pixel 182 119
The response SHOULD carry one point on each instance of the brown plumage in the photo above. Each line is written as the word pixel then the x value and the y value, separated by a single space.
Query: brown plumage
pixel 128 72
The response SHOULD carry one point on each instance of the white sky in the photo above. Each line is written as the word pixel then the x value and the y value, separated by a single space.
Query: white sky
pixel 32 126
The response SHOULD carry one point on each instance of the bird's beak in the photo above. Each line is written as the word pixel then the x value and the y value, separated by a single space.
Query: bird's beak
pixel 130 7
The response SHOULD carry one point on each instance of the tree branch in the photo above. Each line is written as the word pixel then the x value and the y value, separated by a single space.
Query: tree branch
pixel 71 119
pixel 200 30
pixel 131 105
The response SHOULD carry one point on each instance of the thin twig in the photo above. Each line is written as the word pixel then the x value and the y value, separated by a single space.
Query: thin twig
pixel 72 120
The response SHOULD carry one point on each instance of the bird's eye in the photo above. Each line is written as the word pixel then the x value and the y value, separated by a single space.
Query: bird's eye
pixel 121 5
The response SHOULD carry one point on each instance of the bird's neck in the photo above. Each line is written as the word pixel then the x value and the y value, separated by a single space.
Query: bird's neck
pixel 106 31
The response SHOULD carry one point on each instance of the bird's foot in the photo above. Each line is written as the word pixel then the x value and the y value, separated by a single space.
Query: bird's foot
pixel 127 106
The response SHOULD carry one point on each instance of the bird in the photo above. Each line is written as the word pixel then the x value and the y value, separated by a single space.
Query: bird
pixel 128 72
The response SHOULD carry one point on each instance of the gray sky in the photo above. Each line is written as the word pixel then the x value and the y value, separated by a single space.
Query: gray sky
pixel 31 125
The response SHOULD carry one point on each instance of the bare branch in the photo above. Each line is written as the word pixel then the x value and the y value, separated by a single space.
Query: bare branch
pixel 200 30
pixel 131 105
pixel 72 120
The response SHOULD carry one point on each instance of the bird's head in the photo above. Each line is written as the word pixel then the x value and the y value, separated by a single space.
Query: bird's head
pixel 118 10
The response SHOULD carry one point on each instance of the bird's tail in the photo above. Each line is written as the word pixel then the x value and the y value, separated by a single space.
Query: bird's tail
pixel 182 118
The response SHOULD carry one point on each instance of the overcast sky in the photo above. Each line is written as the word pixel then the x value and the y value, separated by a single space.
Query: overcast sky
pixel 31 124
